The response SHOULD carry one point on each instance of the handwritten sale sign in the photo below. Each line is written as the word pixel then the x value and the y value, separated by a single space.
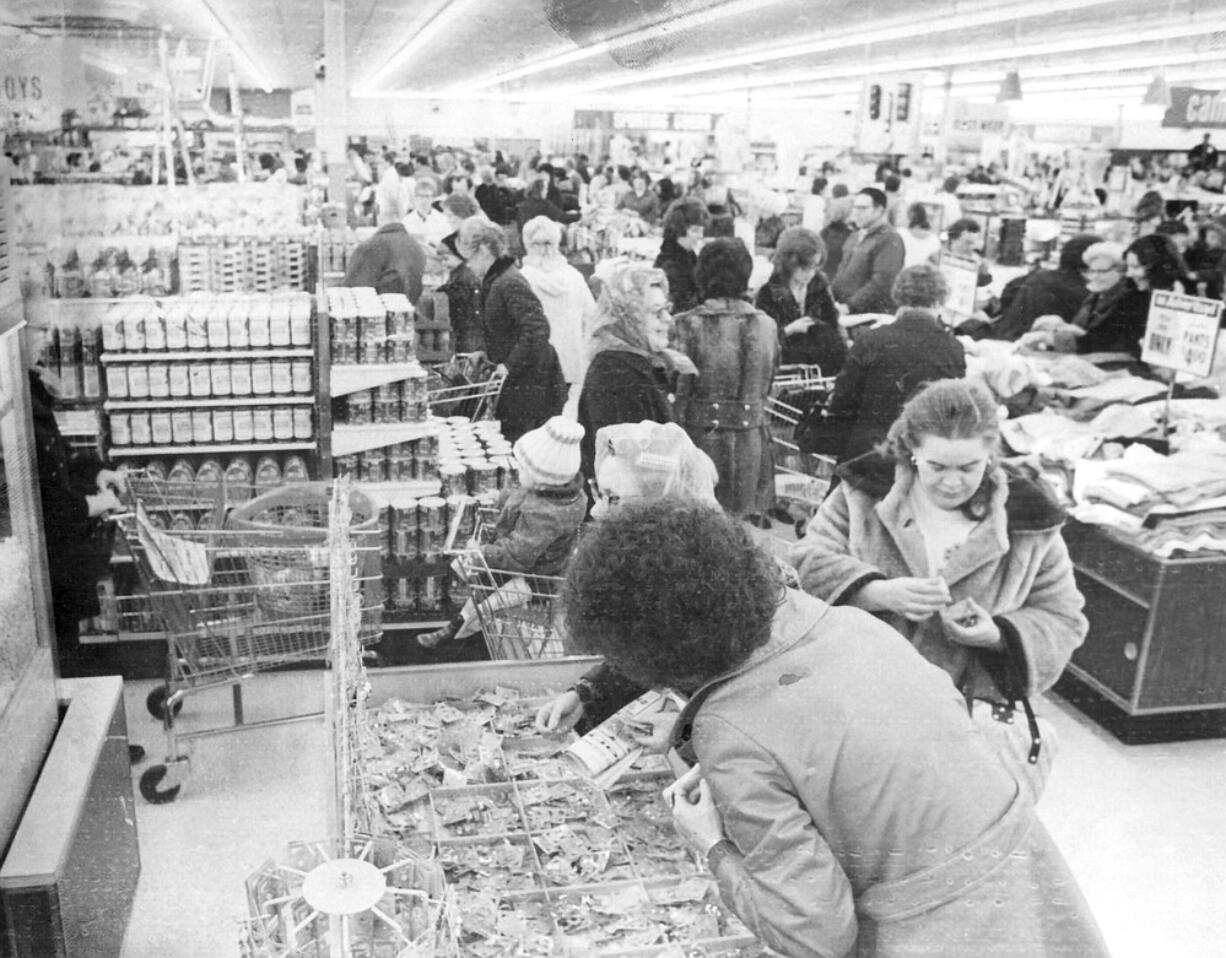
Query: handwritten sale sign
pixel 1181 332
pixel 962 278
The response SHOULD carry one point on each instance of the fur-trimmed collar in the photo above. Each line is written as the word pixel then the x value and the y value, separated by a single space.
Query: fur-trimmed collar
pixel 1029 506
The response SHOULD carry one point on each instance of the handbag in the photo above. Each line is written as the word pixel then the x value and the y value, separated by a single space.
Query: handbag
pixel 817 433
pixel 1025 744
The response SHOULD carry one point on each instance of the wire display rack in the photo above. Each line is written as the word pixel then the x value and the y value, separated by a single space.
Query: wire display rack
pixel 801 478
pixel 519 613
pixel 238 587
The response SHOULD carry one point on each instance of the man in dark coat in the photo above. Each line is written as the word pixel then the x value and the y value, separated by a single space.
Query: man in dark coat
pixel 871 260
pixel 75 490
pixel 1048 292
pixel 516 331
pixel 391 261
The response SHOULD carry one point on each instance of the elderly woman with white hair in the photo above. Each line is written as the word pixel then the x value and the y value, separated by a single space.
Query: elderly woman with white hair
pixel 515 330
pixel 564 294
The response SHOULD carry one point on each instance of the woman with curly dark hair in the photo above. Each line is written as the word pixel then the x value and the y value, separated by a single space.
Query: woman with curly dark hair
pixel 735 348
pixel 798 298
pixel 825 801
pixel 684 224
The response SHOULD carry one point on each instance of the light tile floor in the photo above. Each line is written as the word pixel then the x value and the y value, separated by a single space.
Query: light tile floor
pixel 1143 827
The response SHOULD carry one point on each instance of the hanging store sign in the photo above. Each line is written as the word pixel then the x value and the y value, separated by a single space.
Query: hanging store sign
pixel 1190 107
pixel 38 81
pixel 1181 332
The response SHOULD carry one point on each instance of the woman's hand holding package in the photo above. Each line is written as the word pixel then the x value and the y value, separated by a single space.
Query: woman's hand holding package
pixel 560 713
pixel 102 502
pixel 114 479
pixel 969 623
pixel 657 728
pixel 695 816
pixel 908 596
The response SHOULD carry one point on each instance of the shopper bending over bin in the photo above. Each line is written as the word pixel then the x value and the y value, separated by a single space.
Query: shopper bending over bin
pixel 961 554
pixel 846 803
pixel 537 523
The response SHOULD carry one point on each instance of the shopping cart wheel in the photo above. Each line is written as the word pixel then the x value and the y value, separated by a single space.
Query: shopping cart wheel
pixel 155 702
pixel 150 779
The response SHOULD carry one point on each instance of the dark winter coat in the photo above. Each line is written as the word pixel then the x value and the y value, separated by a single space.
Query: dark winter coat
pixel 391 261
pixel 536 529
pixel 871 262
pixel 517 335
pixel 1114 320
pixel 497 202
pixel 834 235
pixel 865 813
pixel 463 293
pixel 883 368
pixel 620 386
pixel 78 547
pixel 822 345
pixel 1047 292
pixel 723 408
pixel 680 265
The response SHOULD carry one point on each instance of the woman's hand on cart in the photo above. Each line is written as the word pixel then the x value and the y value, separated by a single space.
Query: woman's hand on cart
pixel 560 713
pixel 102 502
pixel 112 479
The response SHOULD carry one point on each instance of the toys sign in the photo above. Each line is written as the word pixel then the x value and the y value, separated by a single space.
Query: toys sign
pixel 1181 332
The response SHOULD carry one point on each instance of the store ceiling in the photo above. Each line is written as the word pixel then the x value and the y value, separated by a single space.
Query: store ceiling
pixel 642 52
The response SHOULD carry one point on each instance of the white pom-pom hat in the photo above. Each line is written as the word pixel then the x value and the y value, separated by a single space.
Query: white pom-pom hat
pixel 549 454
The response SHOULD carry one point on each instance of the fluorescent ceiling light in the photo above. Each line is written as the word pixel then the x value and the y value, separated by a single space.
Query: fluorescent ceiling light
pixel 569 55
pixel 240 53
pixel 945 59
pixel 442 19
pixel 898 28
pixel 100 62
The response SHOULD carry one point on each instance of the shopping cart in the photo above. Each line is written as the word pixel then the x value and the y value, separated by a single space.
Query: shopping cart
pixel 237 588
pixel 802 479
pixel 466 385
pixel 517 613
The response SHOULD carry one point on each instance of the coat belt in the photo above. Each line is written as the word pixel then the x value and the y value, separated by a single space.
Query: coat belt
pixel 725 414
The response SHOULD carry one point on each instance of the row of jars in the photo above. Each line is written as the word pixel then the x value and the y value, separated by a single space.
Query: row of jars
pixel 183 427
pixel 399 402
pixel 384 337
pixel 187 325
pixel 221 379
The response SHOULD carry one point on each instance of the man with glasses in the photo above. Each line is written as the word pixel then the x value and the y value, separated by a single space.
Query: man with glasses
pixel 872 259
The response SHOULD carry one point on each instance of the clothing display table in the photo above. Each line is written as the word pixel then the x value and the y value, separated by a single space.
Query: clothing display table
pixel 1157 641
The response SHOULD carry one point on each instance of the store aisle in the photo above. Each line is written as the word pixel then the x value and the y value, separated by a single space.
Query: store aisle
pixel 1142 826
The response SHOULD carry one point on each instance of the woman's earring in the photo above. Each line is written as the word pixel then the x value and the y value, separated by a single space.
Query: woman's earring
pixel 913 462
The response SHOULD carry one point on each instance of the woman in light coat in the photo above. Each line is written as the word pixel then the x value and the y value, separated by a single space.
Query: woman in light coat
pixel 958 553
pixel 845 802
pixel 567 300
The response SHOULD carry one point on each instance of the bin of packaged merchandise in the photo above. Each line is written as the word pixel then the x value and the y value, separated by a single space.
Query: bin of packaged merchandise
pixel 538 857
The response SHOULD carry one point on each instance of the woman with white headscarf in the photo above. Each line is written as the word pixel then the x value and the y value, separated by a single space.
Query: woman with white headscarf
pixel 563 292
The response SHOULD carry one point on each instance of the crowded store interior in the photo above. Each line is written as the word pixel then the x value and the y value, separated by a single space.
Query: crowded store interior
pixel 565 478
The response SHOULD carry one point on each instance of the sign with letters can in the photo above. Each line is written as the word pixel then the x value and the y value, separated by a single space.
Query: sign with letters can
pixel 1181 332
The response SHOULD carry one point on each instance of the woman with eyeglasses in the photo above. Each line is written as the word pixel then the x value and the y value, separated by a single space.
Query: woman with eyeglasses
pixel 567 300
pixel 630 376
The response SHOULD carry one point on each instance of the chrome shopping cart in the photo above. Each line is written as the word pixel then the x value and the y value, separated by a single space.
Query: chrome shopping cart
pixel 466 385
pixel 802 479
pixel 238 587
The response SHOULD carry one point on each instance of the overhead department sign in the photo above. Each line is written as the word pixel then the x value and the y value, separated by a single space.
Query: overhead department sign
pixel 1193 108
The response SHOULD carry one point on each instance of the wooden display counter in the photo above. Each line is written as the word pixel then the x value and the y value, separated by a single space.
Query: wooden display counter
pixel 1157 640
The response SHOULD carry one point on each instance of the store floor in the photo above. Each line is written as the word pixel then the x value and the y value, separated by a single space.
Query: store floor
pixel 1142 826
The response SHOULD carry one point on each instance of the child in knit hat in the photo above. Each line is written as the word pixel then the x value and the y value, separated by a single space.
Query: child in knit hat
pixel 537 525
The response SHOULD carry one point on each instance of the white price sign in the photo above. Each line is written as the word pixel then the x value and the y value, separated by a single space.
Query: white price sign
pixel 1181 332
pixel 962 277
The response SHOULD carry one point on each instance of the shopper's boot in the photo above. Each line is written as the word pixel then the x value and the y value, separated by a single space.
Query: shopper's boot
pixel 432 640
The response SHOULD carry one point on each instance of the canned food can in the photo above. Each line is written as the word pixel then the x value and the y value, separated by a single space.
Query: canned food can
pixel 432 594
pixel 453 481
pixel 404 595
pixel 385 532
pixel 240 378
pixel 200 380
pixel 181 426
pixel 202 425
pixel 432 514
pixel 223 425
pixel 261 377
pixel 300 376
pixel 465 507
pixel 138 381
pixel 221 381
pixel 404 532
pixel 372 328
pixel 370 352
pixel 427 446
pixel 180 380
pixel 121 429
pixel 359 407
pixel 344 353
pixel 303 428
pixel 142 429
pixel 261 424
pixel 373 467
pixel 282 377
pixel 244 425
pixel 400 348
pixel 159 381
pixel 346 465
pixel 160 427
pixel 117 381
pixel 283 423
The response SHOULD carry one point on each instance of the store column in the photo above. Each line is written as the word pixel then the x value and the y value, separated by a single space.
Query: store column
pixel 333 124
